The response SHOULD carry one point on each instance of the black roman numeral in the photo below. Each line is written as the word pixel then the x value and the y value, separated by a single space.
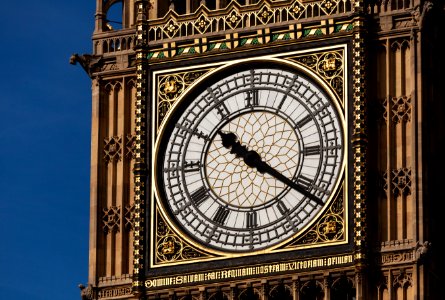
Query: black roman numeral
pixel 199 196
pixel 195 132
pixel 222 110
pixel 282 208
pixel 192 166
pixel 304 181
pixel 291 85
pixel 304 121
pixel 252 98
pixel 221 215
pixel 174 166
pixel 312 150
pixel 251 217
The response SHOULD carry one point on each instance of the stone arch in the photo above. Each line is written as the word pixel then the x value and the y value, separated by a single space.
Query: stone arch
pixel 312 290
pixel 280 292
pixel 343 288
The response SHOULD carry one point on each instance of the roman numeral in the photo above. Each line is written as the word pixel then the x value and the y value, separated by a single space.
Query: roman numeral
pixel 222 110
pixel 173 167
pixel 195 132
pixel 282 208
pixel 252 98
pixel 193 166
pixel 312 150
pixel 199 196
pixel 304 181
pixel 291 85
pixel 221 215
pixel 322 109
pixel 304 121
pixel 251 218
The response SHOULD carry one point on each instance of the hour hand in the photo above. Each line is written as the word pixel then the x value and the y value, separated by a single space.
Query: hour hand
pixel 253 160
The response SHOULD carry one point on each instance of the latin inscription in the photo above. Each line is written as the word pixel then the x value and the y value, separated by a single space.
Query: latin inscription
pixel 108 293
pixel 250 271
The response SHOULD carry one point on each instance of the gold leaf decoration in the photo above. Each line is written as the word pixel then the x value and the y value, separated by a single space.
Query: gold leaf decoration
pixel 172 248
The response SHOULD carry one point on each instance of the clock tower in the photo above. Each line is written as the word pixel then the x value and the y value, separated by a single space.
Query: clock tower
pixel 265 150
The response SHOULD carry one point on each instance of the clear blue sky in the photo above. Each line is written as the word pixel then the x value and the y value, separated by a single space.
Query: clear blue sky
pixel 45 121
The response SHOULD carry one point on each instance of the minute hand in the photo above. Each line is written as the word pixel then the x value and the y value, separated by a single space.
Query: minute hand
pixel 253 160
pixel 266 168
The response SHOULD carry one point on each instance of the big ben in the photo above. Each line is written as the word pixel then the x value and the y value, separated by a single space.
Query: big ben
pixel 265 150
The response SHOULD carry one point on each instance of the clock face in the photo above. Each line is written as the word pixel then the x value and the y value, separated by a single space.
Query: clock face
pixel 252 158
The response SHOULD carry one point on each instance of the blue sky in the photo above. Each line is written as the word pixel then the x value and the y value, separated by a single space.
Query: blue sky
pixel 45 121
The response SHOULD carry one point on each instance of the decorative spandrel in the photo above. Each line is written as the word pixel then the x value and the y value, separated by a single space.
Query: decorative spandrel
pixel 330 228
pixel 171 87
pixel 171 248
pixel 329 65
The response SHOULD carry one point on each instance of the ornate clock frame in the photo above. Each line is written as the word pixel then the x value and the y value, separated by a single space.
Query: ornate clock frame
pixel 328 242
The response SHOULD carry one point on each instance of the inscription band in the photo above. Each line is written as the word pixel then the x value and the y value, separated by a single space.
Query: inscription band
pixel 248 271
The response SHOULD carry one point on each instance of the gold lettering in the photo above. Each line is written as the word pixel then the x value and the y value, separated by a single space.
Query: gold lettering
pixel 246 271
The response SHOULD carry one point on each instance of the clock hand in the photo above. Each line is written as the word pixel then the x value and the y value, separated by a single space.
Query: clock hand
pixel 253 160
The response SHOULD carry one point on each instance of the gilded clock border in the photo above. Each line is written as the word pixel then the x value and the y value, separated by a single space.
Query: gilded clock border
pixel 329 64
